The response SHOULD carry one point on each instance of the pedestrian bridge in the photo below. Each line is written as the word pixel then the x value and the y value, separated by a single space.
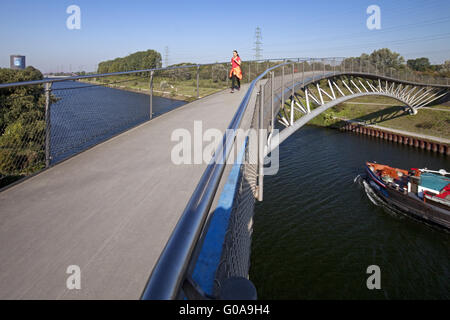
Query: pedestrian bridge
pixel 139 225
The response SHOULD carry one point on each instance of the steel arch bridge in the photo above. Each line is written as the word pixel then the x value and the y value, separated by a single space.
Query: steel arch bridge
pixel 315 95
pixel 291 93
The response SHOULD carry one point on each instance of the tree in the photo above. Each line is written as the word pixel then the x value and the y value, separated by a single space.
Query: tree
pixel 446 66
pixel 419 64
pixel 181 74
pixel 387 58
pixel 140 60
pixel 22 123
pixel 382 58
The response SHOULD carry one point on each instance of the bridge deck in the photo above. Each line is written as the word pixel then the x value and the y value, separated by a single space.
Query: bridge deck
pixel 109 210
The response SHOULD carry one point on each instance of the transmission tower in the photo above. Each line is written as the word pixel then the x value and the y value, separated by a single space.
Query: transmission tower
pixel 258 43
pixel 166 56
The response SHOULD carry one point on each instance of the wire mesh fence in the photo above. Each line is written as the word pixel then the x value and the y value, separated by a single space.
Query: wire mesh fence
pixel 42 124
pixel 86 114
pixel 38 131
pixel 81 113
pixel 23 128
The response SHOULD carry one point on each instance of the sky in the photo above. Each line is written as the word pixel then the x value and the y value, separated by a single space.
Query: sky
pixel 208 31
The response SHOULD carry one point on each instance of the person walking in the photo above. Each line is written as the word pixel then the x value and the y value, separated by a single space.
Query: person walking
pixel 235 72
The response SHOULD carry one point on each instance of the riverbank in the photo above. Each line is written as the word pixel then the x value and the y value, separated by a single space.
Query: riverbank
pixel 141 89
pixel 182 90
pixel 430 124
pixel 429 143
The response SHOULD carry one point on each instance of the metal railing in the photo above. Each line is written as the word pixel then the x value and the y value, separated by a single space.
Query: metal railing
pixel 51 105
pixel 170 271
pixel 49 120
pixel 272 87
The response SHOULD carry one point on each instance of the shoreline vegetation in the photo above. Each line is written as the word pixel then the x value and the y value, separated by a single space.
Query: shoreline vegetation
pixel 386 113
pixel 146 91
pixel 177 90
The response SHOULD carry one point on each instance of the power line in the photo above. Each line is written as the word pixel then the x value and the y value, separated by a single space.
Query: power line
pixel 258 43
pixel 166 56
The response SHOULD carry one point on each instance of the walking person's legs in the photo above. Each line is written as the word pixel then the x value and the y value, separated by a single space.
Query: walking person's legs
pixel 233 81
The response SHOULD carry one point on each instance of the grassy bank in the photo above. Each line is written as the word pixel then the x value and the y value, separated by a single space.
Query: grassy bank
pixel 385 112
pixel 185 90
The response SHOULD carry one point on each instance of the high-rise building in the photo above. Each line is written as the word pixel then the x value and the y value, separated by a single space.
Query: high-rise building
pixel 17 62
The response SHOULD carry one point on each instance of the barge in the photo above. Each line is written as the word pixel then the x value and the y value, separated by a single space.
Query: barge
pixel 420 193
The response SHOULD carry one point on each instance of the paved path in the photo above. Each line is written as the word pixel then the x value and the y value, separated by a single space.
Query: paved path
pixel 109 210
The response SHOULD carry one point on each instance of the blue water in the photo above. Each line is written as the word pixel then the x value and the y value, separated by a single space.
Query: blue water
pixel 87 115
pixel 316 232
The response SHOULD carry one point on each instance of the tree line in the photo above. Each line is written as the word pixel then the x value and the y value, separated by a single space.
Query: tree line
pixel 22 123
pixel 389 59
pixel 140 60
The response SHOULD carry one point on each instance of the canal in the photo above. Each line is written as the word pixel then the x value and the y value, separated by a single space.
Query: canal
pixel 316 232
pixel 84 115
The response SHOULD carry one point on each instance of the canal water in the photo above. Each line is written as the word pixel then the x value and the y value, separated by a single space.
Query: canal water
pixel 316 232
pixel 85 115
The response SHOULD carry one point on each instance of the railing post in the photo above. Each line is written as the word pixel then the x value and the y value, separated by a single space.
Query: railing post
pixel 226 76
pixel 313 67
pixel 293 70
pixel 249 78
pixel 151 94
pixel 48 86
pixel 261 144
pixel 198 79
pixel 282 86
pixel 271 102
pixel 303 73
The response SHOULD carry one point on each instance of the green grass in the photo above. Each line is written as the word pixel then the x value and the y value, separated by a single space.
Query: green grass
pixel 386 112
pixel 164 86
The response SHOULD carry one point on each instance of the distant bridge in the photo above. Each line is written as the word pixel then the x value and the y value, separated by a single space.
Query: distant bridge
pixel 139 226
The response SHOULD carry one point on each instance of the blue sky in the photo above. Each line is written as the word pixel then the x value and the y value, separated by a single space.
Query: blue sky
pixel 208 31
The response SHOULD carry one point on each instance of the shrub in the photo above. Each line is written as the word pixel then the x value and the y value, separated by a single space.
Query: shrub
pixel 22 123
